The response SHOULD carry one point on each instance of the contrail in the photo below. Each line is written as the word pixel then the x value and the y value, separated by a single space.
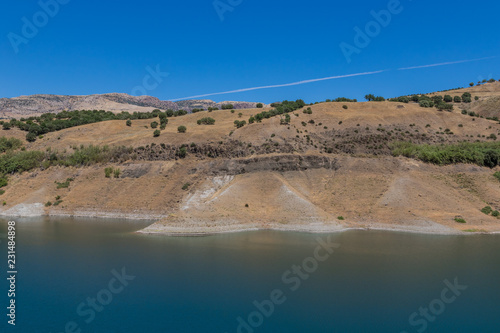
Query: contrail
pixel 445 63
pixel 279 85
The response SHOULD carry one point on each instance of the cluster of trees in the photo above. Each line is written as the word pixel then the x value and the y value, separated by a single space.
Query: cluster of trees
pixel 481 82
pixel 440 102
pixel 259 106
pixel 206 121
pixel 7 144
pixel 227 106
pixel 239 123
pixel 434 101
pixel 480 153
pixel 52 122
pixel 286 120
pixel 373 98
pixel 345 99
pixel 18 161
pixel 279 109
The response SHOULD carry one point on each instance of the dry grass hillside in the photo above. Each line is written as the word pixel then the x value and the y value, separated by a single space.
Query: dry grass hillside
pixel 325 171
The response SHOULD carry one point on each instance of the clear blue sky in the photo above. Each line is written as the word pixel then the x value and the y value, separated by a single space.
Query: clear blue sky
pixel 94 47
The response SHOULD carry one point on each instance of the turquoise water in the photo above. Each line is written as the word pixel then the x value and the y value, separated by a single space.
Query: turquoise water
pixel 246 282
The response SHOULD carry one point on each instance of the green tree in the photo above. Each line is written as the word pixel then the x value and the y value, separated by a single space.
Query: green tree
pixel 370 97
pixel 182 129
pixel 206 121
pixel 154 124
pixel 457 99
pixel 448 99
pixel 466 97
pixel 471 84
pixel 156 133
pixel 129 122
pixel 259 105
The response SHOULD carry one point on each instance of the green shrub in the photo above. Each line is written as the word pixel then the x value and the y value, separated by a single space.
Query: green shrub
pixel 182 152
pixel 487 210
pixel 497 175
pixel 108 172
pixel 495 213
pixel 239 123
pixel 182 129
pixel 426 104
pixel 457 99
pixel 345 107
pixel 206 121
pixel 480 153
pixel 185 187
pixel 154 124
pixel 31 137
pixel 460 220
pixel 129 122
pixel 448 99
pixel 341 218
pixel 9 144
pixel 259 106
pixel 116 173
pixel 156 133
pixel 444 106
pixel 2 192
pixel 12 162
pixel 48 204
pixel 64 184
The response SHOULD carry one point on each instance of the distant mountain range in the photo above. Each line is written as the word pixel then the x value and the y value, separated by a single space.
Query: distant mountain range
pixel 38 104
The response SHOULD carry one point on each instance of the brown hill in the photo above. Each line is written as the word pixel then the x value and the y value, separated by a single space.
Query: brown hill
pixel 333 163
pixel 35 105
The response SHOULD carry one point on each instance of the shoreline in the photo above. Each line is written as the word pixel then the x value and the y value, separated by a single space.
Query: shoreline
pixel 207 228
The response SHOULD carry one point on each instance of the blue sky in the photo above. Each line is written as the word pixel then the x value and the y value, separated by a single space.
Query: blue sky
pixel 94 47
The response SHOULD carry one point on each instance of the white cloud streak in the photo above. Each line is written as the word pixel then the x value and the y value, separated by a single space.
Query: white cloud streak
pixel 444 63
pixel 325 79
pixel 278 85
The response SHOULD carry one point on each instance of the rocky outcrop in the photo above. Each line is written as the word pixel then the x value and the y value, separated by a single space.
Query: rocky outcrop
pixel 39 104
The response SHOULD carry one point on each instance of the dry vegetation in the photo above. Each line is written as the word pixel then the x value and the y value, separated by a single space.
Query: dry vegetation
pixel 299 174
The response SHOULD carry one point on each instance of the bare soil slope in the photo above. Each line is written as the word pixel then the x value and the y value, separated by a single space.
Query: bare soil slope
pixel 324 171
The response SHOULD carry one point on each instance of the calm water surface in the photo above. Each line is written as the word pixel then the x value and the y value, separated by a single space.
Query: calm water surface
pixel 373 282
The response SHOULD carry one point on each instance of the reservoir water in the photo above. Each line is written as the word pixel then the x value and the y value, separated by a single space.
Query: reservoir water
pixel 96 275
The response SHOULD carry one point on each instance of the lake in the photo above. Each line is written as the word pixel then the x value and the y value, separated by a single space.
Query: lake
pixel 98 275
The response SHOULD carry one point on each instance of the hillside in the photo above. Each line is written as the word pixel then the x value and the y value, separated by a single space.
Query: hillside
pixel 328 169
pixel 35 105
